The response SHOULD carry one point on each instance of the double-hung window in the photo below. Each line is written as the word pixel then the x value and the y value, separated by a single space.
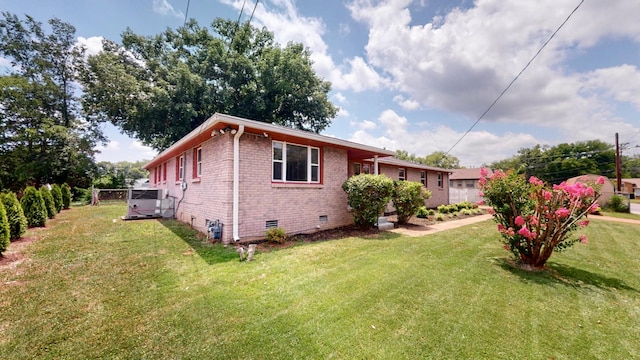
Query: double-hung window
pixel 357 168
pixel 179 168
pixel 295 163
pixel 423 178
pixel 402 174
pixel 440 185
pixel 197 162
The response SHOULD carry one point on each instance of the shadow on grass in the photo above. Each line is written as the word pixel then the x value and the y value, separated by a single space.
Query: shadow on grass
pixel 210 253
pixel 565 275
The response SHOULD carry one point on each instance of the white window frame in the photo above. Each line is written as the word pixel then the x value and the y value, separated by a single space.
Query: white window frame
pixel 440 180
pixel 310 164
pixel 423 178
pixel 357 168
pixel 366 168
pixel 402 174
pixel 199 162
pixel 181 167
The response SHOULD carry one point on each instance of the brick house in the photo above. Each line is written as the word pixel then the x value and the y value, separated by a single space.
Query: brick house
pixel 253 175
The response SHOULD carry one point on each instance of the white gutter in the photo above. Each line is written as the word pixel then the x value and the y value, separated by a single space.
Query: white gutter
pixel 236 180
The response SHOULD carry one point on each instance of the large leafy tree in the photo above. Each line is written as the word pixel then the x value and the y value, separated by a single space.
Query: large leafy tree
pixel 558 163
pixel 438 159
pixel 43 136
pixel 159 88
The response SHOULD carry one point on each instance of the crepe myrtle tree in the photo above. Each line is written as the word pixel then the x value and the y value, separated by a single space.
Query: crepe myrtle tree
pixel 535 219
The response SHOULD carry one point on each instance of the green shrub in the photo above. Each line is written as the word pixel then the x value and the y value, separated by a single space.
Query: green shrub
pixel 422 212
pixel 56 193
pixel 276 235
pixel 408 197
pixel 432 212
pixel 4 230
pixel 466 212
pixel 439 217
pixel 443 209
pixel 35 210
pixel 452 208
pixel 66 196
pixel 15 215
pixel 48 201
pixel 81 195
pixel 367 196
pixel 618 203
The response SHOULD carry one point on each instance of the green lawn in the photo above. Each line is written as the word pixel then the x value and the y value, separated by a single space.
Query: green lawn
pixel 97 287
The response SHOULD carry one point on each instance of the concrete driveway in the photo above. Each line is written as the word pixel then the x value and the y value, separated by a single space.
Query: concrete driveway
pixel 635 208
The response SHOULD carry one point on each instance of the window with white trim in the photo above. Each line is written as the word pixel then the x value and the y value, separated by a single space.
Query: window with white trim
pixel 402 174
pixel 366 168
pixel 357 168
pixel 440 180
pixel 423 178
pixel 295 163
pixel 179 167
pixel 197 159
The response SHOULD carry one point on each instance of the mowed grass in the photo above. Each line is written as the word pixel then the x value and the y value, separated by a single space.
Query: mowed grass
pixel 94 286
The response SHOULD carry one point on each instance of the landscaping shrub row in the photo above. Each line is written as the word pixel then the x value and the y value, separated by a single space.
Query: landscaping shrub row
pixel 33 210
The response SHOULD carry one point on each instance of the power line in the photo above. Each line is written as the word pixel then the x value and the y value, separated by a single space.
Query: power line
pixel 186 13
pixel 515 78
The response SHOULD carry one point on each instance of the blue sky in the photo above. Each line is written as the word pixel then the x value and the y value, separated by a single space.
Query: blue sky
pixel 415 75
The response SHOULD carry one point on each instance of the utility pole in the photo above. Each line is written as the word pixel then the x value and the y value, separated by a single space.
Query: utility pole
pixel 618 166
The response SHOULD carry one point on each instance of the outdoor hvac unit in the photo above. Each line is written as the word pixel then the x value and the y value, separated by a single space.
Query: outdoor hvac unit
pixel 147 204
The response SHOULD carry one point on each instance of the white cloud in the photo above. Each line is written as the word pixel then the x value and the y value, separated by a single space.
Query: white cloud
pixel 479 146
pixel 364 125
pixel 163 7
pixel 93 44
pixel 288 25
pixel 143 151
pixel 110 146
pixel 408 104
pixel 342 112
pixel 460 62
pixel 621 83
pixel 340 98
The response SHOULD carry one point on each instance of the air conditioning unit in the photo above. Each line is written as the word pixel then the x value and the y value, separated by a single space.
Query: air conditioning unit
pixel 148 204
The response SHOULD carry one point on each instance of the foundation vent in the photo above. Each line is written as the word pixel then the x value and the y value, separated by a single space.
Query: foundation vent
pixel 271 224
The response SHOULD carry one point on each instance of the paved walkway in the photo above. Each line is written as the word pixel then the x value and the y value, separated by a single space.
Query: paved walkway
pixel 452 224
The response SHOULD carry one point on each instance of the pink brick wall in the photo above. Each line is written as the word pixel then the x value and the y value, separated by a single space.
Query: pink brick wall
pixel 297 208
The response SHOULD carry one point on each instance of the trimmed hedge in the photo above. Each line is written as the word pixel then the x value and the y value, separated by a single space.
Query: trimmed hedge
pixel 66 196
pixel 48 201
pixel 35 210
pixel 4 229
pixel 56 193
pixel 15 215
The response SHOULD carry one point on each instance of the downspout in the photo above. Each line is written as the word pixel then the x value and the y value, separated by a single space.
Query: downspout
pixel 236 180
pixel 375 164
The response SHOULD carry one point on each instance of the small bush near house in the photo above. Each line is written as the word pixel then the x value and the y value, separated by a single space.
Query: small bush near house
pixel 56 193
pixel 422 212
pixel 276 235
pixel 66 196
pixel 4 230
pixel 467 205
pixel 35 210
pixel 443 209
pixel 367 195
pixel 15 215
pixel 408 197
pixel 439 217
pixel 618 203
pixel 48 201
pixel 432 212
